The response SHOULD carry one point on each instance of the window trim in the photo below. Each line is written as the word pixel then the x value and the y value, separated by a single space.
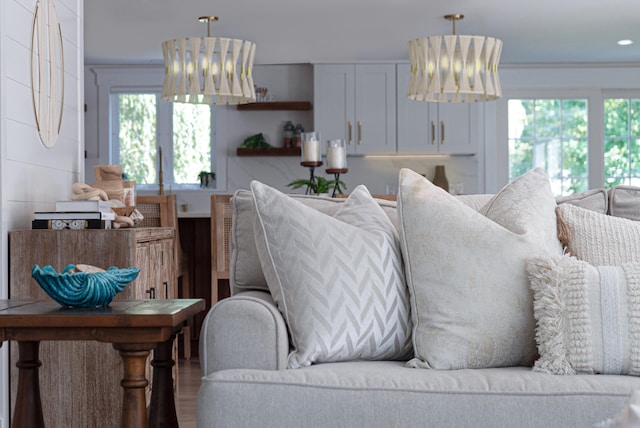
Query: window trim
pixel 164 131
pixel 536 77
pixel 595 109
pixel 148 77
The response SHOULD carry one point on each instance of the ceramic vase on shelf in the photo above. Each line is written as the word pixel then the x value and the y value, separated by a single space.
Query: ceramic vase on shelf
pixel 440 178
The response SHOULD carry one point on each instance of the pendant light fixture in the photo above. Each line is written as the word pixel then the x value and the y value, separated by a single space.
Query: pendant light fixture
pixel 208 70
pixel 454 68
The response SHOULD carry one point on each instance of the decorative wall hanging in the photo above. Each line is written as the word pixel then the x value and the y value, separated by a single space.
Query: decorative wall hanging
pixel 47 72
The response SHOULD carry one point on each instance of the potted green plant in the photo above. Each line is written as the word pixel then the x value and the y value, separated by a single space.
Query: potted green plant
pixel 320 186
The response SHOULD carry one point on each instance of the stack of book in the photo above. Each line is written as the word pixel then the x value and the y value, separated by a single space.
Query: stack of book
pixel 83 214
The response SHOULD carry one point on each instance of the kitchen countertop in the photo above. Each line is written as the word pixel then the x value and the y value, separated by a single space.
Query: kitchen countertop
pixel 194 214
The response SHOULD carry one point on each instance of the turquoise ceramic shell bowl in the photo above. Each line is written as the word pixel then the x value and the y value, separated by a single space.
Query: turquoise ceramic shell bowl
pixel 83 289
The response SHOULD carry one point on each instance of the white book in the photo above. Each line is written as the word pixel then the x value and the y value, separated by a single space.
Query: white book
pixel 84 205
pixel 73 215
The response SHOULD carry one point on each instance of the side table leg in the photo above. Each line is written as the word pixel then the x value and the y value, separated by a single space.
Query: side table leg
pixel 162 409
pixel 28 409
pixel 134 382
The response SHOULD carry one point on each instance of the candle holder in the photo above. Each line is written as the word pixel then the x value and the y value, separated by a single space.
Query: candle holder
pixel 313 184
pixel 336 161
pixel 336 174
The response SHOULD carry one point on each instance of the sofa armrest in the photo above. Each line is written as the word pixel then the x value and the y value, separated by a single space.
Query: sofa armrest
pixel 244 331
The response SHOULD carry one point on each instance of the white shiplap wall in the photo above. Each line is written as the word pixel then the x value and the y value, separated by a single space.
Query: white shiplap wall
pixel 32 176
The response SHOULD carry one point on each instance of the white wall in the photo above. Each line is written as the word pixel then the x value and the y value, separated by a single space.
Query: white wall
pixel 32 176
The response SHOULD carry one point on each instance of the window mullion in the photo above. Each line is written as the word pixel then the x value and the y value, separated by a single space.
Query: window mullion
pixel 114 144
pixel 164 131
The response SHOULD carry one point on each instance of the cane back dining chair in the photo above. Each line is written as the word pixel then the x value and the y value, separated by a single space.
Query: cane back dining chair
pixel 221 217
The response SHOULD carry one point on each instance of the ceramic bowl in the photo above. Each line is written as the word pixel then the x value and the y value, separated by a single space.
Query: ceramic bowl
pixel 83 285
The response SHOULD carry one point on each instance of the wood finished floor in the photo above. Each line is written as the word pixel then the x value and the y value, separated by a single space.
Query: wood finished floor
pixel 187 394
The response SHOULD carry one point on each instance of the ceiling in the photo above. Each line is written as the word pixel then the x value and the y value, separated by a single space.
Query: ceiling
pixel 302 31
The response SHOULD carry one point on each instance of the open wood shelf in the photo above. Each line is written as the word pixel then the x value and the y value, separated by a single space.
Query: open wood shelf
pixel 271 151
pixel 276 105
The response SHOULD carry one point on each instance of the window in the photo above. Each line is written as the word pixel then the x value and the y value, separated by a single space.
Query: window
pixel 143 126
pixel 551 134
pixel 621 141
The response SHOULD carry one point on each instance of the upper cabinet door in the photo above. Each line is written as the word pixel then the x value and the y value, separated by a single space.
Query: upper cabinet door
pixel 375 100
pixel 417 132
pixel 334 105
pixel 454 122
pixel 428 127
pixel 356 103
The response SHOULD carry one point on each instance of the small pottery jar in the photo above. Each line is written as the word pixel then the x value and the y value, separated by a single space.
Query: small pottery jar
pixel 440 178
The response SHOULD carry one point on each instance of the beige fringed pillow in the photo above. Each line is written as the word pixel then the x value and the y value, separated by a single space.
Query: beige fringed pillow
pixel 588 318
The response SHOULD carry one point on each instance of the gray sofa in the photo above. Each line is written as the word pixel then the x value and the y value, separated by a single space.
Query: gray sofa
pixel 244 346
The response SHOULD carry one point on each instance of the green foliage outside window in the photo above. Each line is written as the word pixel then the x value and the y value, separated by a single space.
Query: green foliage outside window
pixel 551 134
pixel 188 149
pixel 622 142
pixel 191 141
pixel 137 137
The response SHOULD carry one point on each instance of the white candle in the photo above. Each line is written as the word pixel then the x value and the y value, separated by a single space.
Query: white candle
pixel 335 157
pixel 311 150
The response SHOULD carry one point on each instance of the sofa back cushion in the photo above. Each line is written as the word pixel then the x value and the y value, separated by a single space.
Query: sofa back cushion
pixel 245 272
pixel 624 201
pixel 594 200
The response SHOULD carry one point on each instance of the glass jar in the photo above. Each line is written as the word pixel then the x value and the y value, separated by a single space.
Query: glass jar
pixel 288 134
pixel 297 135
pixel 311 147
pixel 336 154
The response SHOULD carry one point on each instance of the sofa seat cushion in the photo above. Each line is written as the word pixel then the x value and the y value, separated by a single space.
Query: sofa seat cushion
pixel 385 393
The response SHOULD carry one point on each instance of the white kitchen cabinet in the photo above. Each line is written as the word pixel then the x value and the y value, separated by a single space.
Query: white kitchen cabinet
pixel 357 103
pixel 428 127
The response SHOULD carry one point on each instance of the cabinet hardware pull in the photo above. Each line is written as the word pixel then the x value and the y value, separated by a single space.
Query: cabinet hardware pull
pixel 433 132
pixel 442 131
pixel 166 290
pixel 359 132
pixel 152 292
pixel 350 131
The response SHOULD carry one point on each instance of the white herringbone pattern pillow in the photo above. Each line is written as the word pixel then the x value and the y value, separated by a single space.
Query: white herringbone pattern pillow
pixel 338 281
pixel 588 317
pixel 471 305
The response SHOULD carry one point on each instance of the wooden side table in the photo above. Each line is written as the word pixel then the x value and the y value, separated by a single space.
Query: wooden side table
pixel 134 327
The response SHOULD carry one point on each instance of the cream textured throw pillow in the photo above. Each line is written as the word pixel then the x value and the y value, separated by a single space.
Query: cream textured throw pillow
pixel 599 239
pixel 338 281
pixel 588 317
pixel 471 304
